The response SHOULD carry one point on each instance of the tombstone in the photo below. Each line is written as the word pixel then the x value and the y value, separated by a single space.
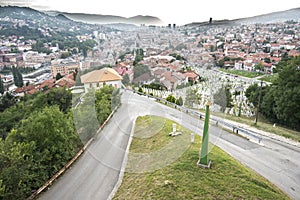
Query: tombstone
pixel 192 138
pixel 174 128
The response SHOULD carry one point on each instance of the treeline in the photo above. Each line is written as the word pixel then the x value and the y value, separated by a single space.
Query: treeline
pixel 64 41
pixel 25 31
pixel 280 101
pixel 94 110
pixel 38 137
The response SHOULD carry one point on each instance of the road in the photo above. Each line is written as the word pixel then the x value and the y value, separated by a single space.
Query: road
pixel 96 172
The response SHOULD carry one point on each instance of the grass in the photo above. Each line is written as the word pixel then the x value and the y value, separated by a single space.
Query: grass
pixel 264 125
pixel 182 179
pixel 270 78
pixel 248 74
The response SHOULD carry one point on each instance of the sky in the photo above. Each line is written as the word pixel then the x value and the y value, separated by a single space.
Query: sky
pixel 170 11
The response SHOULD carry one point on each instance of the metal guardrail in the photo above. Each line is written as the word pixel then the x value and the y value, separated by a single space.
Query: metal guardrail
pixel 235 128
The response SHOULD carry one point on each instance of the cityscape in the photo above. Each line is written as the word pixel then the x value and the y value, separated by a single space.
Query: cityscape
pixel 87 108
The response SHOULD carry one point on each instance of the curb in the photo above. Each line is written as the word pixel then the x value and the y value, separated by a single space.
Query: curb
pixel 124 163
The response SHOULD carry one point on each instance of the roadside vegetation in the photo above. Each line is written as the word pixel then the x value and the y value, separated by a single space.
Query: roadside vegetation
pixel 248 74
pixel 264 125
pixel 38 137
pixel 280 100
pixel 270 78
pixel 227 179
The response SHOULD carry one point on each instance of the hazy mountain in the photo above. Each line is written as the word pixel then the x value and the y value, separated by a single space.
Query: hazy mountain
pixel 35 19
pixel 274 17
pixel 109 19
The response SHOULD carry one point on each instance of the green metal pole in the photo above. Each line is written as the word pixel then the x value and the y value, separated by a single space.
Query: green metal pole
pixel 204 148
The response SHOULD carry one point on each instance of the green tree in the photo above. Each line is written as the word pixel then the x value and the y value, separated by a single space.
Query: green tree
pixel 259 66
pixel 16 168
pixel 126 79
pixel 58 76
pixel 1 86
pixel 140 90
pixel 6 101
pixel 2 189
pixel 191 98
pixel 139 56
pixel 18 78
pixel 171 98
pixel 223 98
pixel 64 55
pixel 179 101
pixel 286 92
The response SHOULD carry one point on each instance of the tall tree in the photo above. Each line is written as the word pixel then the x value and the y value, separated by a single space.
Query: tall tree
pixel 18 78
pixel 191 98
pixel 286 91
pixel 2 89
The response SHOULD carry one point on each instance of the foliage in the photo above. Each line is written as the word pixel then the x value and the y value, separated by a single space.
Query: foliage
pixel 58 76
pixel 177 56
pixel 191 98
pixel 280 101
pixel 64 55
pixel 34 152
pixel 18 78
pixel 249 74
pixel 28 33
pixel 2 89
pixel 154 85
pixel 269 78
pixel 126 79
pixel 140 90
pixel 139 70
pixel 139 56
pixel 179 101
pixel 6 101
pixel 259 66
pixel 171 98
pixel 13 114
pixel 94 110
pixel 223 98
pixel 180 179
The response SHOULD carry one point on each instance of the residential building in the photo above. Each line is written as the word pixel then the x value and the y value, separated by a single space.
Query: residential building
pixel 98 78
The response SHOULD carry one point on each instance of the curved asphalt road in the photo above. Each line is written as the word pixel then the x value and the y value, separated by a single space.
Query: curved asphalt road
pixel 95 174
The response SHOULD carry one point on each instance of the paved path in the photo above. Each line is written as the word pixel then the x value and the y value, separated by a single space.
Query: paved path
pixel 96 172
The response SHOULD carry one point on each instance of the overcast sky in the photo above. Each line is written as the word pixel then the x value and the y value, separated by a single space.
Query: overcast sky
pixel 170 11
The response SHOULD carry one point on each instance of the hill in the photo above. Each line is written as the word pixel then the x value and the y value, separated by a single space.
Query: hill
pixel 35 19
pixel 109 19
pixel 274 17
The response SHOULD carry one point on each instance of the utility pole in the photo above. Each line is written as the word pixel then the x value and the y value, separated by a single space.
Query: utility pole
pixel 257 108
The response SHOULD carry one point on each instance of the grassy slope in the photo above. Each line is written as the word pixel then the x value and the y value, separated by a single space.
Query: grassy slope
pixel 264 125
pixel 227 179
pixel 248 74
